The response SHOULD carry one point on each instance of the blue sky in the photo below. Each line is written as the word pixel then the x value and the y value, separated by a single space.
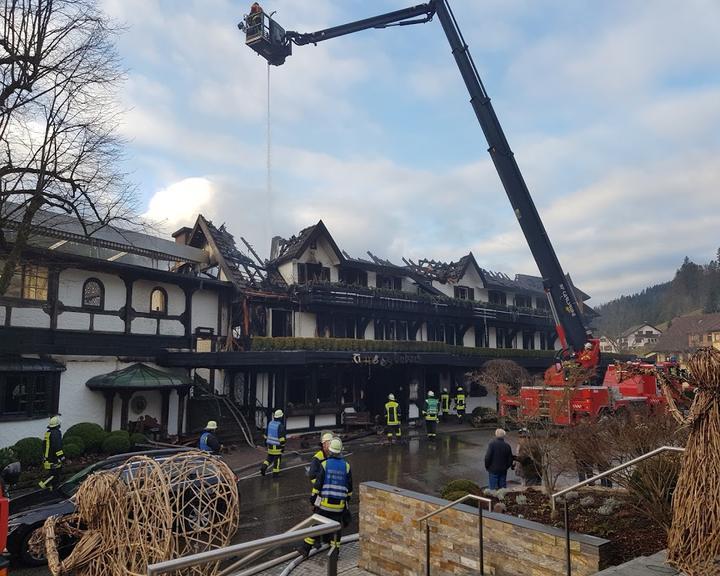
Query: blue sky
pixel 612 109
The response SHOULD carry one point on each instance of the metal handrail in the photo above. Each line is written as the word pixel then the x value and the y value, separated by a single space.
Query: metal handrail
pixel 604 474
pixel 325 526
pixel 427 517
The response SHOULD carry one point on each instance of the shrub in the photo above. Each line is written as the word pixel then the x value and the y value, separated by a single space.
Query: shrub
pixel 521 499
pixel 137 438
pixel 452 496
pixel 29 452
pixel 460 486
pixel 7 456
pixel 116 442
pixel 74 447
pixel 91 434
pixel 609 506
pixel 587 501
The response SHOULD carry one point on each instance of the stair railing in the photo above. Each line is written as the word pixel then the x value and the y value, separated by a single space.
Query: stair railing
pixel 610 472
pixel 427 517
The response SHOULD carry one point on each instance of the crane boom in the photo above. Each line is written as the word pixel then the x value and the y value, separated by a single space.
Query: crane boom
pixel 267 38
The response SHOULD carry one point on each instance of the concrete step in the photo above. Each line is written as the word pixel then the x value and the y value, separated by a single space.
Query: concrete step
pixel 644 566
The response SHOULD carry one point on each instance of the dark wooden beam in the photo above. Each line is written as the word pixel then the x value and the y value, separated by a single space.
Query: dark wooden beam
pixel 164 412
pixel 109 398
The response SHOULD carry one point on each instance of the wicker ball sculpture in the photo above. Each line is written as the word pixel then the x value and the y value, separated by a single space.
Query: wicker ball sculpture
pixel 694 538
pixel 147 511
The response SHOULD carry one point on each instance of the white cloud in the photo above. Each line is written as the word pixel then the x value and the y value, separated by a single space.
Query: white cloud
pixel 179 204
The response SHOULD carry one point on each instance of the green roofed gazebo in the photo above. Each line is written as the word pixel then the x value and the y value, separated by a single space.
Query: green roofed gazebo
pixel 141 378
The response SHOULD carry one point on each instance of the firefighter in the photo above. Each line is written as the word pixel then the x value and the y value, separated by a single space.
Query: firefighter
pixel 53 455
pixel 255 8
pixel 275 442
pixel 208 440
pixel 331 493
pixel 393 427
pixel 432 408
pixel 314 471
pixel 460 404
pixel 444 404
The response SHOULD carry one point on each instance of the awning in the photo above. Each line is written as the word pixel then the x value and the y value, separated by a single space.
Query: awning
pixel 138 377
pixel 20 364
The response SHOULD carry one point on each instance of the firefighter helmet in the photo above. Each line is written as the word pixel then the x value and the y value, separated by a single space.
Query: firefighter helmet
pixel 278 414
pixel 335 446
pixel 211 425
pixel 54 422
pixel 326 437
pixel 391 396
pixel 431 394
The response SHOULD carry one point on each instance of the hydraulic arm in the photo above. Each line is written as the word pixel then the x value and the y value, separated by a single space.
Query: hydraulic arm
pixel 268 39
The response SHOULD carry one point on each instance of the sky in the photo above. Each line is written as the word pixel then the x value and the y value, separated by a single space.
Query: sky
pixel 611 108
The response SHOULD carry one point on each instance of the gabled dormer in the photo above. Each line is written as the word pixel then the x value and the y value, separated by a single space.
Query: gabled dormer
pixel 311 256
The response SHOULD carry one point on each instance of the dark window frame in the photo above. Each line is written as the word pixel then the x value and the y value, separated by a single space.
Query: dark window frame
pixel 164 311
pixel 44 395
pixel 101 305
pixel 497 297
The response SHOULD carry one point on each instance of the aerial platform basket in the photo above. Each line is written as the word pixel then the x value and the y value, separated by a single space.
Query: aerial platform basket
pixel 266 37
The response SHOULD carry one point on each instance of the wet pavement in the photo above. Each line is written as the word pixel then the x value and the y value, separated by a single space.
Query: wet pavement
pixel 272 505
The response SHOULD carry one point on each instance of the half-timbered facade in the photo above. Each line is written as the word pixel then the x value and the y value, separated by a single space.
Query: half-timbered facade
pixel 81 309
pixel 322 334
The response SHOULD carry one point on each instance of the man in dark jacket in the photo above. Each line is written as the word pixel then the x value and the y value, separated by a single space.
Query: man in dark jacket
pixel 53 455
pixel 498 460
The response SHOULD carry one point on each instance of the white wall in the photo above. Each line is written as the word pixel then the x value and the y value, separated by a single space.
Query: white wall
pixel 287 271
pixel 297 422
pixel 305 324
pixel 30 317
pixel 204 309
pixel 107 323
pixel 446 289
pixel 73 279
pixel 74 321
pixel 469 338
pixel 472 279
pixel 141 297
pixel 325 420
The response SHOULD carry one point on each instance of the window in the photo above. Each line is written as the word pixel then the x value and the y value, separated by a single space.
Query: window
pixel 464 293
pixel 158 301
pixel 481 337
pixel 312 273
pixel 523 301
pixel 93 294
pixel 388 282
pixel 502 338
pixel 542 303
pixel 528 340
pixel 497 297
pixel 544 341
pixel 435 332
pixel 297 390
pixel 29 281
pixel 352 276
pixel 281 323
pixel 28 395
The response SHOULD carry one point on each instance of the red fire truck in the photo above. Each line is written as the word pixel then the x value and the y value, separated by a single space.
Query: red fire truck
pixel 8 476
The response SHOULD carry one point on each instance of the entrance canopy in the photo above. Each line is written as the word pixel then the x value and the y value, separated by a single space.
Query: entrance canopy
pixel 138 377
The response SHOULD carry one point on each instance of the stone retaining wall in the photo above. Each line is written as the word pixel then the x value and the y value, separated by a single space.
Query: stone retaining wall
pixel 392 542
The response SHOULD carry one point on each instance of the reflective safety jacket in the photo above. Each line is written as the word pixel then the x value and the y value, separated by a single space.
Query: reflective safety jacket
pixel 315 467
pixel 53 451
pixel 334 483
pixel 445 403
pixel 209 442
pixel 275 436
pixel 460 401
pixel 392 413
pixel 432 407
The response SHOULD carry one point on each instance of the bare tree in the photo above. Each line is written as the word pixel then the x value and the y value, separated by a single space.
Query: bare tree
pixel 59 151
pixel 500 376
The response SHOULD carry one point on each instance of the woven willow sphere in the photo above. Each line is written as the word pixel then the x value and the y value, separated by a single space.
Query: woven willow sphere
pixel 147 511
pixel 705 367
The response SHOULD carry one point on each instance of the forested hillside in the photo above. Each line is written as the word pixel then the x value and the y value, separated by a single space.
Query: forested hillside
pixel 695 288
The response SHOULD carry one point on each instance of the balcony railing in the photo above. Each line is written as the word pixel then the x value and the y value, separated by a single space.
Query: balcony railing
pixel 317 295
pixel 399 346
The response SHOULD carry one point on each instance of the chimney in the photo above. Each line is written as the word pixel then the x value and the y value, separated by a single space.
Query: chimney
pixel 182 236
pixel 275 247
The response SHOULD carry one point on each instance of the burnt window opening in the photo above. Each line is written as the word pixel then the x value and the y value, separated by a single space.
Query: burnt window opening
pixel 522 301
pixel 353 276
pixel 388 282
pixel 308 272
pixel 528 340
pixel 497 297
pixel 281 323
pixel 93 294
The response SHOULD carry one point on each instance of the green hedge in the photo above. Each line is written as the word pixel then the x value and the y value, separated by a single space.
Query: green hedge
pixel 262 343
pixel 29 452
pixel 7 456
pixel 91 434
pixel 73 447
pixel 117 442
pixel 137 438
pixel 459 488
